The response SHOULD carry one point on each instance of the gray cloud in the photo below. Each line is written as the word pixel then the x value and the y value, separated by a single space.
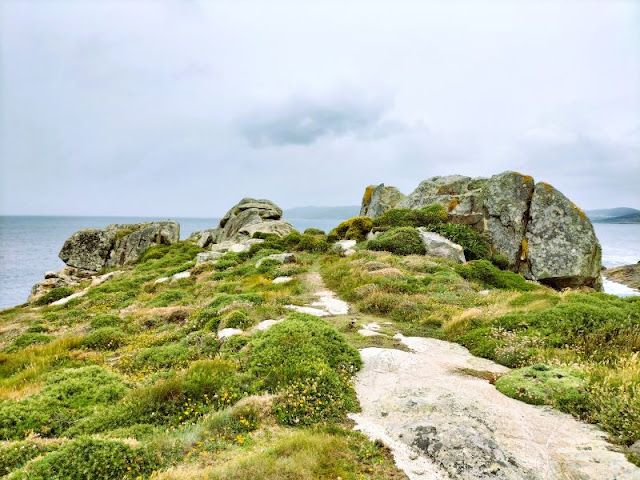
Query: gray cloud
pixel 182 108
pixel 302 121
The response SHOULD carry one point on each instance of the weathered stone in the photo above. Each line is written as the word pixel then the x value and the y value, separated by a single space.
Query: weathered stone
pixel 560 245
pixel 438 246
pixel 251 212
pixel 204 257
pixel 180 276
pixel 89 249
pixel 506 208
pixel 379 199
pixel 628 275
pixel 130 247
pixel 344 247
pixel 278 257
pixel 205 238
pixel 94 249
pixel 228 332
pixel 282 280
pixel 277 227
pixel 561 250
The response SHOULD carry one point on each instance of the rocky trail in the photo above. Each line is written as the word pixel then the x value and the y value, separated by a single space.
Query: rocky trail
pixel 441 419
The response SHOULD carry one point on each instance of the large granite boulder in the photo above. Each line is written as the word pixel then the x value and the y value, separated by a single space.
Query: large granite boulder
pixel 543 235
pixel 378 199
pixel 560 244
pixel 242 221
pixel 96 248
pixel 437 246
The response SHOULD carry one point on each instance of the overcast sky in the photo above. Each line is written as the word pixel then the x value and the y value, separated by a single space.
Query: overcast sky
pixel 181 108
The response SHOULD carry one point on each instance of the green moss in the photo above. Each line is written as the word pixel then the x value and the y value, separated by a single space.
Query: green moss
pixel 53 295
pixel 562 387
pixel 487 275
pixel 408 217
pixel 355 228
pixel 401 241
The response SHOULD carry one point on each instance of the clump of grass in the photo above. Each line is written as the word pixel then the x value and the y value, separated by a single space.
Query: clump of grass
pixel 355 228
pixel 92 459
pixel 408 217
pixel 53 295
pixel 562 387
pixel 401 241
pixel 487 275
pixel 105 338
pixel 27 339
pixel 16 454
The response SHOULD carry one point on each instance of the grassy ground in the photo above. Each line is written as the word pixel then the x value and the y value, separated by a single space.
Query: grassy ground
pixel 577 352
pixel 131 380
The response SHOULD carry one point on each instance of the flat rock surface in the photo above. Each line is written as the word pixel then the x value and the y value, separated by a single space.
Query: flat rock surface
pixel 442 423
pixel 628 275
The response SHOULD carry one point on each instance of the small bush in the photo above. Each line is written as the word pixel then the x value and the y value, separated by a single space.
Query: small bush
pixel 355 228
pixel 106 338
pixel 92 459
pixel 474 244
pixel 53 295
pixel 105 320
pixel 27 339
pixel 401 241
pixel 236 319
pixel 561 387
pixel 500 261
pixel 314 231
pixel 315 243
pixel 16 455
pixel 172 355
pixel 408 217
pixel 483 272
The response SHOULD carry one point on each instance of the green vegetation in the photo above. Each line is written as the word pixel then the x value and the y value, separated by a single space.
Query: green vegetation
pixel 132 378
pixel 401 241
pixel 53 295
pixel 355 228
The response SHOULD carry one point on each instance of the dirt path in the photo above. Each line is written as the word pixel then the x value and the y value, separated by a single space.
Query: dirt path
pixel 441 423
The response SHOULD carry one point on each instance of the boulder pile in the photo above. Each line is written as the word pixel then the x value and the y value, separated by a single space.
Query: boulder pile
pixel 544 235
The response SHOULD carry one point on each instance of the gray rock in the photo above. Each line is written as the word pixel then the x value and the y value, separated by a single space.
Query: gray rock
pixel 506 209
pixel 89 249
pixel 345 248
pixel 438 246
pixel 94 249
pixel 250 216
pixel 279 257
pixel 130 247
pixel 205 238
pixel 561 246
pixel 542 234
pixel 379 199
pixel 205 257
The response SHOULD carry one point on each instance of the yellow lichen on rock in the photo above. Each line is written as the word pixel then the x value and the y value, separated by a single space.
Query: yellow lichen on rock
pixel 366 199
pixel 453 203
pixel 524 252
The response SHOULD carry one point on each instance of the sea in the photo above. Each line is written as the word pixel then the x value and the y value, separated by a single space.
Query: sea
pixel 29 246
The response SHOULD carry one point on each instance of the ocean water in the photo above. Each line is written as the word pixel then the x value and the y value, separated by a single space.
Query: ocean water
pixel 29 246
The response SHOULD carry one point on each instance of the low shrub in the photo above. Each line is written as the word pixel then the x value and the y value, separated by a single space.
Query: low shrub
pixel 66 397
pixel 313 242
pixel 475 245
pixel 236 319
pixel 105 320
pixel 53 295
pixel 487 275
pixel 355 228
pixel 172 355
pixel 561 387
pixel 401 241
pixel 409 217
pixel 92 459
pixel 314 231
pixel 105 338
pixel 17 454
pixel 27 339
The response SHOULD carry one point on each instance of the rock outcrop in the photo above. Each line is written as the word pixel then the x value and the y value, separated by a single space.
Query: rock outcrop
pixel 240 223
pixel 96 248
pixel 543 235
pixel 628 275
pixel 88 251
pixel 437 246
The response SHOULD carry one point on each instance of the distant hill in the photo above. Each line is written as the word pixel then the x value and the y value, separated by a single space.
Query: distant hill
pixel 614 215
pixel 337 213
pixel 630 218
